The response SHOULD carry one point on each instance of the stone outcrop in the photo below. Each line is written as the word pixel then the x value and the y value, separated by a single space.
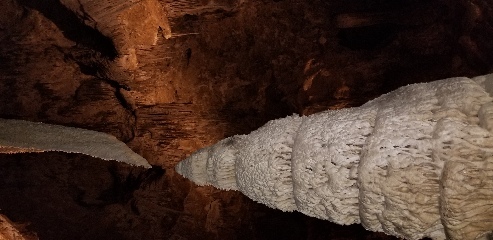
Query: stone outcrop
pixel 223 67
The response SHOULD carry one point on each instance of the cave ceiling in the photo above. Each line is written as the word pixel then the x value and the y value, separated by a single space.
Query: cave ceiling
pixel 169 77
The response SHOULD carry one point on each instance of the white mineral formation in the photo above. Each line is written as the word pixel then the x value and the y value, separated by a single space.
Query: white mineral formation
pixel 414 163
pixel 18 136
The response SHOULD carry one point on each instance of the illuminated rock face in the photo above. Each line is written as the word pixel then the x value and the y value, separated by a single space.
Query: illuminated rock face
pixel 414 163
pixel 127 23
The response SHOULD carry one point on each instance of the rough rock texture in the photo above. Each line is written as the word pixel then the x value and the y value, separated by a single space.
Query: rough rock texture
pixel 12 231
pixel 224 67
pixel 19 136
pixel 413 163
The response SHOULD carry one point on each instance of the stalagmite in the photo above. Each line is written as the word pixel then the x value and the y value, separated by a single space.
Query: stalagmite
pixel 414 163
pixel 18 136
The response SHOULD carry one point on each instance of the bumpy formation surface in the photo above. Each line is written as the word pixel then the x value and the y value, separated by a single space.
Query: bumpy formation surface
pixel 414 163
pixel 18 136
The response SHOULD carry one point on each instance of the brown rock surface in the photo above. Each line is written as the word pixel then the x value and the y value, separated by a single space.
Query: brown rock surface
pixel 12 231
pixel 217 68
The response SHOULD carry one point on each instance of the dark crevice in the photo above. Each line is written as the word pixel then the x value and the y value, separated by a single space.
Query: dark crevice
pixel 123 186
pixel 91 63
pixel 123 102
pixel 72 27
pixel 118 94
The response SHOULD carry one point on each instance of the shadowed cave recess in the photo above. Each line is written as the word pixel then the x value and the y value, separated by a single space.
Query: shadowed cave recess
pixel 168 77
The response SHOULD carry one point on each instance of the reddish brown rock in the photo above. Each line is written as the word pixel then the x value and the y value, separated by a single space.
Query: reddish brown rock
pixel 216 69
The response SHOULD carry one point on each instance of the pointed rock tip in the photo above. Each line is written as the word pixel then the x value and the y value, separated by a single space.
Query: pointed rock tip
pixel 194 167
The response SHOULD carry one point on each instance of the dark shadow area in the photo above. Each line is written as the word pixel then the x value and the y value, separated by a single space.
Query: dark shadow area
pixel 72 27
pixel 369 37
pixel 272 224
pixel 123 187
pixel 70 196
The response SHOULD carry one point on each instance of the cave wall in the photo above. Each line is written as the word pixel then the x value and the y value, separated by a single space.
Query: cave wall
pixel 169 77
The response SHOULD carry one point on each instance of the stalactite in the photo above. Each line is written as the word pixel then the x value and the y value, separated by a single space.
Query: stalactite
pixel 414 163
pixel 18 136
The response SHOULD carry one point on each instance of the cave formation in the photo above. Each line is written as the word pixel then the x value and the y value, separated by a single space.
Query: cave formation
pixel 169 77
